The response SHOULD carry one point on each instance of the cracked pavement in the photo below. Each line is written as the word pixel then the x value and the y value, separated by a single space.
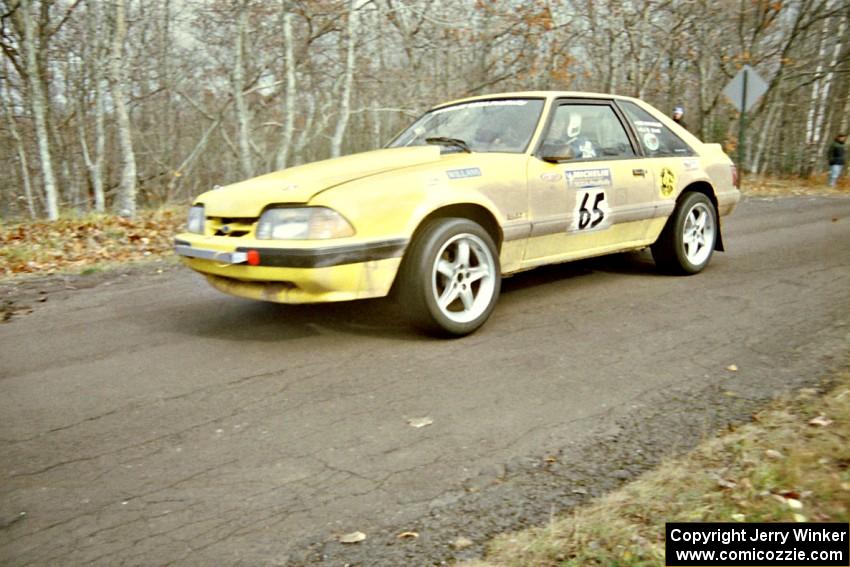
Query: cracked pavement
pixel 151 420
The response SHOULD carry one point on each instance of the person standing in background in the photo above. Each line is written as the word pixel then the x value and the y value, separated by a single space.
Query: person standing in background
pixel 837 156
pixel 678 117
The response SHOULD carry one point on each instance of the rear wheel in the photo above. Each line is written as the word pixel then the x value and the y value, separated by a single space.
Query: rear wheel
pixel 687 241
pixel 450 278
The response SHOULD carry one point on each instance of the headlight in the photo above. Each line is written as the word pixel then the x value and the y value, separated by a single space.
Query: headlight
pixel 196 220
pixel 302 223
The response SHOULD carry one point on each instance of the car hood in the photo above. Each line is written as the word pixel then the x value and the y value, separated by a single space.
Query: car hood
pixel 301 183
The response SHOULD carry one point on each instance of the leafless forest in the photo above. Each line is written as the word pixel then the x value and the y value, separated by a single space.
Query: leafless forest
pixel 112 105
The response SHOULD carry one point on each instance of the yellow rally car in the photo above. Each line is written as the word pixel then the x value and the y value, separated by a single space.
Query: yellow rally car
pixel 474 190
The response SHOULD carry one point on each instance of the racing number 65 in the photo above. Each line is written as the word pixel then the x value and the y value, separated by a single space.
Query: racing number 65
pixel 591 210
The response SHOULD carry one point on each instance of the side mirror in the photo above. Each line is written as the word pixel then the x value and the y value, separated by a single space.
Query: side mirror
pixel 556 152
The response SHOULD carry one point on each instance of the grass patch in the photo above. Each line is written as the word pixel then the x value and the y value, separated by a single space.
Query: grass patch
pixel 792 463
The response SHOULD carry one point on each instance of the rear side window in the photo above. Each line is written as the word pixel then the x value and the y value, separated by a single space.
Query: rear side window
pixel 655 138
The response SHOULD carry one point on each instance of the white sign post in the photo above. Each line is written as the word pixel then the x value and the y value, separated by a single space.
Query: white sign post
pixel 744 90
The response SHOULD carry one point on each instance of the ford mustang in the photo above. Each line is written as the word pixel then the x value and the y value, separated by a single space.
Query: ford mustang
pixel 472 191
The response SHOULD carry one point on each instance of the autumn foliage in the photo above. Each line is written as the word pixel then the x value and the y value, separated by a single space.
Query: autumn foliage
pixel 77 243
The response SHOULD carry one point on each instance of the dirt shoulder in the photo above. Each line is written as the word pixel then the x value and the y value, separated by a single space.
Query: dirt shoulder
pixel 44 261
pixel 20 295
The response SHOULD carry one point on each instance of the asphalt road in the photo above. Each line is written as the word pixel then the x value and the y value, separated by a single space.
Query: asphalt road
pixel 151 420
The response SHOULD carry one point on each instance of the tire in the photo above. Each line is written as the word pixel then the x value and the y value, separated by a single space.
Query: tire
pixel 687 242
pixel 450 278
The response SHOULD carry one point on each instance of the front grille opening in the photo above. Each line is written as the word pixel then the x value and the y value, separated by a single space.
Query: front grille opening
pixel 231 232
pixel 233 220
pixel 232 226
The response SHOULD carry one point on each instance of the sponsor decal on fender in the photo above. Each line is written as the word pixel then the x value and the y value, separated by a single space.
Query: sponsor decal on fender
pixel 668 182
pixel 584 178
pixel 464 173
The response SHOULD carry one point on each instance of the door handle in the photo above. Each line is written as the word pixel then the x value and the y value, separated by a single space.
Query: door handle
pixel 639 172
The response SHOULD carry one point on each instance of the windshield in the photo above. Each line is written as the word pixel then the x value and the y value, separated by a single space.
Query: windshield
pixel 504 125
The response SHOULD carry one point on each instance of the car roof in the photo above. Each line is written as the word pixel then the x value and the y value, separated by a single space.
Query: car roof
pixel 536 94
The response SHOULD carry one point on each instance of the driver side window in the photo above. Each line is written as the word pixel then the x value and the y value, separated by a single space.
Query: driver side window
pixel 586 132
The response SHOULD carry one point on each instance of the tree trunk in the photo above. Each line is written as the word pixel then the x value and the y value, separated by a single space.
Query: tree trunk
pixel 99 144
pixel 94 164
pixel 244 137
pixel 126 201
pixel 815 102
pixel 99 118
pixel 345 99
pixel 763 142
pixel 22 159
pixel 828 98
pixel 38 105
pixel 289 92
pixel 304 134
pixel 377 135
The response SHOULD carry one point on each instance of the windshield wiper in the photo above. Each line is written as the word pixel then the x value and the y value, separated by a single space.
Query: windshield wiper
pixel 442 140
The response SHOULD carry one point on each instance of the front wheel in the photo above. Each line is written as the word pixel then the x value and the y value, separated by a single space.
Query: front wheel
pixel 687 241
pixel 450 278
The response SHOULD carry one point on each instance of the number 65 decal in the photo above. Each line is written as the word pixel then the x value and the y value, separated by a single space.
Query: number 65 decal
pixel 591 212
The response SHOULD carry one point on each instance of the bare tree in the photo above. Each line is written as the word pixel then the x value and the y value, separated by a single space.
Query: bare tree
pixel 127 187
pixel 94 160
pixel 352 29
pixel 289 92
pixel 242 113
pixel 20 148
pixel 32 43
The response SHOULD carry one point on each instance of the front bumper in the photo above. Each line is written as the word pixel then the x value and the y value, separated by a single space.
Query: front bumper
pixel 185 249
pixel 308 274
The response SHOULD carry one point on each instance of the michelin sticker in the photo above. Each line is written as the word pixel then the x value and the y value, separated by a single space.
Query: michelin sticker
pixel 464 173
pixel 690 165
pixel 585 178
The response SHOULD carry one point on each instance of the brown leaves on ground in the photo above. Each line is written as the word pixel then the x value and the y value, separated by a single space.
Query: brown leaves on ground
pixel 77 243
pixel 773 186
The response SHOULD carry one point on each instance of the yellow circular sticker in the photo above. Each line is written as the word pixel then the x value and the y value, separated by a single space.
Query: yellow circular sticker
pixel 668 182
